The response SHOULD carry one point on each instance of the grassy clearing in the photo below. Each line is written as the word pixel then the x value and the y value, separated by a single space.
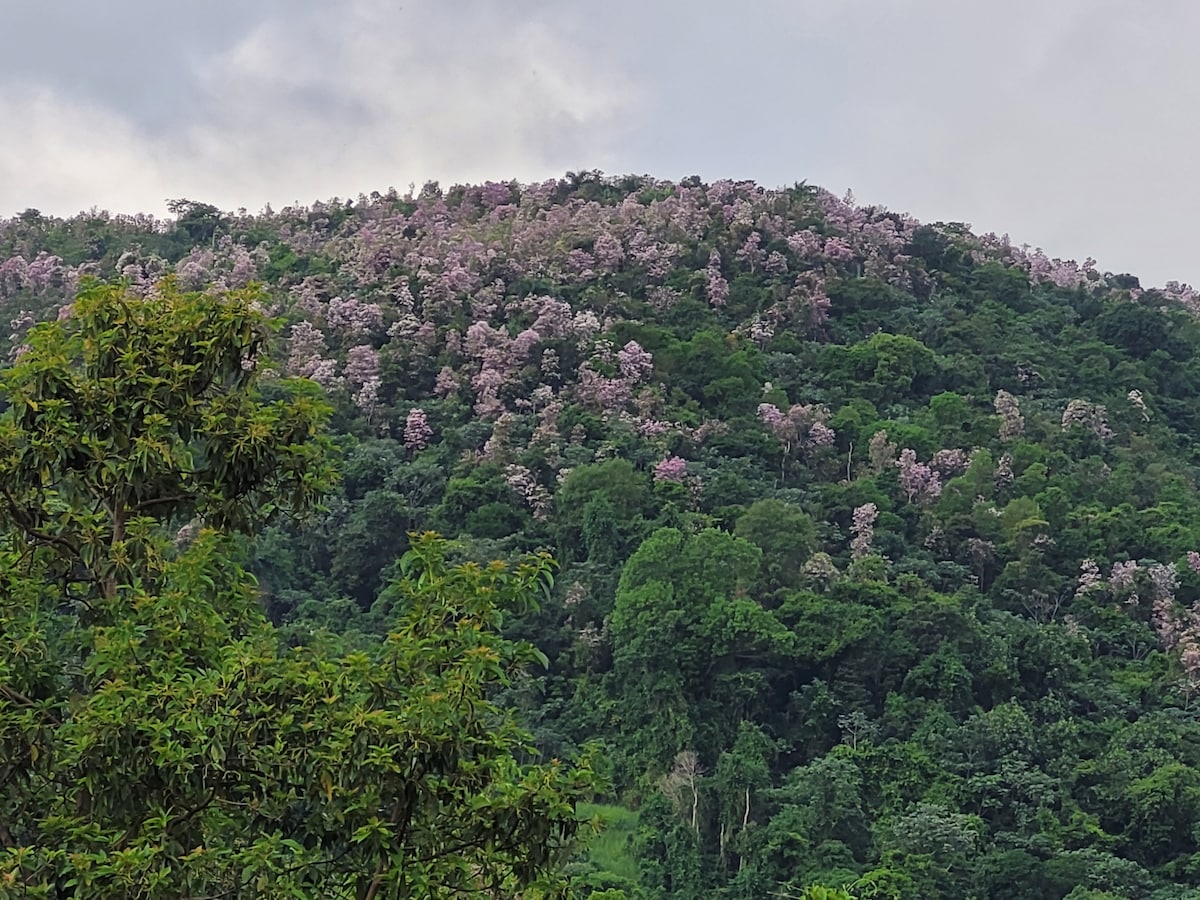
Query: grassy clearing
pixel 609 850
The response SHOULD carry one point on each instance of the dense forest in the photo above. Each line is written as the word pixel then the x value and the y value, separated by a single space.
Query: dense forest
pixel 876 544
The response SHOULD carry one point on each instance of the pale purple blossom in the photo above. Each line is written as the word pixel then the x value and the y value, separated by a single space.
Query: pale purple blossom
pixel 362 364
pixel 366 398
pixel 447 383
pixel 718 287
pixel 417 431
pixel 1092 416
pixel 1090 579
pixel 1008 408
pixel 862 529
pixel 921 484
pixel 750 252
pixel 635 363
pixel 950 462
pixel 353 317
pixel 770 414
pixel 672 469
pixel 1193 561
pixel 1122 575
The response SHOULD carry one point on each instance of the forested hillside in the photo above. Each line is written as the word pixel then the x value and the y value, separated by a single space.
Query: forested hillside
pixel 879 542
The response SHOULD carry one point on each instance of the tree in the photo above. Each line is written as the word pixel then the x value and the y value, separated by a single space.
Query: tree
pixel 787 537
pixel 164 744
pixel 740 773
pixel 626 499
pixel 191 756
pixel 198 221
pixel 691 653
pixel 132 411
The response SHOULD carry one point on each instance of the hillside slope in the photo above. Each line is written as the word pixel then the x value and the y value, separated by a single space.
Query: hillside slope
pixel 880 541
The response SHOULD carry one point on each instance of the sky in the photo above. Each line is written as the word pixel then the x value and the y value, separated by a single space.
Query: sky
pixel 1067 124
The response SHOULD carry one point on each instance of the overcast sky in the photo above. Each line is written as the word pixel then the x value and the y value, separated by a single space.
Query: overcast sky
pixel 1068 124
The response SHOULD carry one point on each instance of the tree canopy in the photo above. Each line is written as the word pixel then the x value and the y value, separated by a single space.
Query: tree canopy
pixel 156 737
pixel 878 540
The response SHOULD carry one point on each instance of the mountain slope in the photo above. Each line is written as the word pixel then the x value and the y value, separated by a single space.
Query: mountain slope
pixel 880 541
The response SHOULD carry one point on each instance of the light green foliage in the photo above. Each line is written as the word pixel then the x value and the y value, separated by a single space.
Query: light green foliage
pixel 818 892
pixel 609 864
pixel 135 409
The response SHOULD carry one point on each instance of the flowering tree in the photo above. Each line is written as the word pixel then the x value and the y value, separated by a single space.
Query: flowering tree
pixel 920 482
pixel 417 431
pixel 717 287
pixel 1092 416
pixel 1012 423
pixel 862 529
pixel 672 469
pixel 801 426
pixel 307 359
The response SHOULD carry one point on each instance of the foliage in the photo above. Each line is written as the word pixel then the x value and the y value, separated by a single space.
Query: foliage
pixel 879 539
pixel 133 408
pixel 192 756
pixel 158 741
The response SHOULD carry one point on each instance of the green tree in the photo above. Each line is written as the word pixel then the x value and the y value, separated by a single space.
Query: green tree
pixel 600 509
pixel 136 410
pixel 821 826
pixel 689 648
pixel 198 221
pixel 787 538
pixel 164 744
pixel 189 755
pixel 740 774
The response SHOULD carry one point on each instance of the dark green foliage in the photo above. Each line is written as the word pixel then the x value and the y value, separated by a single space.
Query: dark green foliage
pixel 944 711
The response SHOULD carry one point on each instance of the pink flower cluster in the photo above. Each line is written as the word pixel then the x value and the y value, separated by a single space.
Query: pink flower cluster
pixel 417 431
pixel 801 426
pixel 920 482
pixel 1092 416
pixel 672 469
pixel 862 529
pixel 1008 408
pixel 608 380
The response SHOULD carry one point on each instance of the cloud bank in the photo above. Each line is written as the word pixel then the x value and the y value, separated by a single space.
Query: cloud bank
pixel 328 101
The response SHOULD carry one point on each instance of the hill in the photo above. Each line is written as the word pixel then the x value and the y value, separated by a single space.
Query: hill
pixel 879 541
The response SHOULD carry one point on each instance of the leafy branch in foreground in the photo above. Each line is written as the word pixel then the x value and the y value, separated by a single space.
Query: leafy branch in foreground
pixel 192 757
pixel 133 408
pixel 164 745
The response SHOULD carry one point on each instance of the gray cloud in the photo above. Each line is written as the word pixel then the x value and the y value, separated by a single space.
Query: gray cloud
pixel 418 94
pixel 1066 124
pixel 322 101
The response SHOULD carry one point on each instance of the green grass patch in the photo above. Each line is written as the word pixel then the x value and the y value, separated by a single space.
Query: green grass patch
pixel 608 851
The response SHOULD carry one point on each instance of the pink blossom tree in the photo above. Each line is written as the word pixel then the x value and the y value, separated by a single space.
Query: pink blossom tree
pixel 920 483
pixel 417 431
pixel 862 530
pixel 306 357
pixel 717 287
pixel 672 469
pixel 1012 423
